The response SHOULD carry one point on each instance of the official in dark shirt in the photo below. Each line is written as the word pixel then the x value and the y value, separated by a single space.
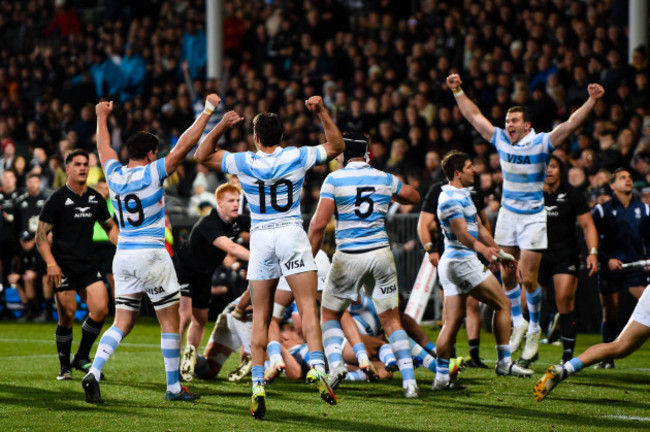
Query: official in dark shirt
pixel 623 225
pixel 433 242
pixel 70 214
pixel 559 268
pixel 214 236
pixel 8 232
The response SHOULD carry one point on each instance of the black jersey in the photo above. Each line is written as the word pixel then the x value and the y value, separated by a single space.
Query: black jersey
pixel 8 201
pixel 29 209
pixel 73 218
pixel 198 253
pixel 563 206
pixel 430 205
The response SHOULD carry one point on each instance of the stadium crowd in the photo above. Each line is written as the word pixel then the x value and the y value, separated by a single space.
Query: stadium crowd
pixel 380 67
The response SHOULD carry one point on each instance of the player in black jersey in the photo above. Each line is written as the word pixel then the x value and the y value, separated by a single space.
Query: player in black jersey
pixel 565 205
pixel 432 240
pixel 70 214
pixel 214 236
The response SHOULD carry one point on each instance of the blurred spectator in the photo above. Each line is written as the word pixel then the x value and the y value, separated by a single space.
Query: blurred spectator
pixel 200 196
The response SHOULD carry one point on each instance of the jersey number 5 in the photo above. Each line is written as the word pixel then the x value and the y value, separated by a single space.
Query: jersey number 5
pixel 274 195
pixel 364 199
pixel 133 205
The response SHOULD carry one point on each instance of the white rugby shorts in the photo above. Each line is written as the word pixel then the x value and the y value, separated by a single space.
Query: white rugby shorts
pixel 641 313
pixel 372 271
pixel 232 333
pixel 525 231
pixel 148 271
pixel 323 265
pixel 279 251
pixel 461 275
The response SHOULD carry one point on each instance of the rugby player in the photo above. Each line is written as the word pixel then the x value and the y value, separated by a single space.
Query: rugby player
pixel 70 214
pixel 358 196
pixel 462 273
pixel 272 181
pixel 142 264
pixel 521 224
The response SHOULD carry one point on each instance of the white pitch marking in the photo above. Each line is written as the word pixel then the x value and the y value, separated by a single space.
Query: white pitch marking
pixel 41 341
pixel 624 417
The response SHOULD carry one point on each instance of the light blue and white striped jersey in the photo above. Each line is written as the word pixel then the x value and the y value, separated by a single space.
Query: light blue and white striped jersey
pixel 272 182
pixel 365 316
pixel 300 352
pixel 139 201
pixel 362 195
pixel 524 169
pixel 456 203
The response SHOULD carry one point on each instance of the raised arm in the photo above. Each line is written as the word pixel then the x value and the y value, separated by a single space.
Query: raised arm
pixel 319 222
pixel 469 109
pixel 563 130
pixel 208 154
pixel 334 145
pixel 106 152
pixel 191 136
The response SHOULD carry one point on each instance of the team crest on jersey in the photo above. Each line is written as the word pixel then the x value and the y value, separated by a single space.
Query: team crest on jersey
pixel 637 213
pixel 561 197
pixel 92 199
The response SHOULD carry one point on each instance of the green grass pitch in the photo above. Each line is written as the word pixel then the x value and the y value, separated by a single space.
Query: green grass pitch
pixel 31 399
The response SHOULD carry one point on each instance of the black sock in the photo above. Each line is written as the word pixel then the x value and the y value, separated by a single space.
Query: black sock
pixel 474 345
pixel 63 338
pixel 48 306
pixel 89 331
pixel 568 334
pixel 608 331
pixel 452 352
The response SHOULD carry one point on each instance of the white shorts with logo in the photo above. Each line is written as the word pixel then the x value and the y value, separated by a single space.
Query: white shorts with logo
pixel 149 271
pixel 373 271
pixel 232 333
pixel 323 266
pixel 641 313
pixel 525 231
pixel 461 275
pixel 280 251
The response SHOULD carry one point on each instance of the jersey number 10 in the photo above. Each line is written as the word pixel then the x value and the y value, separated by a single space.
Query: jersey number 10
pixel 274 196
pixel 133 205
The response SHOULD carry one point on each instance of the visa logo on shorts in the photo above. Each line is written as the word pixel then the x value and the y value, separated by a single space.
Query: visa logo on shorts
pixel 389 289
pixel 518 159
pixel 291 265
pixel 154 291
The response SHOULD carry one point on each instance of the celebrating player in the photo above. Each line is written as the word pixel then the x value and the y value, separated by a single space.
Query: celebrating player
pixel 521 225
pixel 141 264
pixel 272 181
pixel 358 196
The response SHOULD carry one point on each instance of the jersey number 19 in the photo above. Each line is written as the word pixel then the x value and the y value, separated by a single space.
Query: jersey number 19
pixel 133 205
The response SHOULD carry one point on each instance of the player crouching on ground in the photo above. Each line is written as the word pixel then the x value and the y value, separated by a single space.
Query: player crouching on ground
pixel 462 273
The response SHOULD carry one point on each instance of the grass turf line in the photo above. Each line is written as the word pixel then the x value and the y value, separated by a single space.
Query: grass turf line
pixel 32 399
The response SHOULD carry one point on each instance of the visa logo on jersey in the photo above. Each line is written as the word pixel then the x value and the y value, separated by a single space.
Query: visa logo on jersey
pixel 294 264
pixel 518 159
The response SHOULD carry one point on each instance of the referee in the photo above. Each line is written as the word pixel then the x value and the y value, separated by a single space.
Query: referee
pixel 70 214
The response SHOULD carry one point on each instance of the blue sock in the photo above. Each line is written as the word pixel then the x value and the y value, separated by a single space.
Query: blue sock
pixel 431 348
pixel 399 343
pixel 422 356
pixel 442 366
pixel 608 331
pixel 333 342
pixel 170 344
pixel 386 355
pixel 258 375
pixel 274 351
pixel 317 361
pixel 514 295
pixel 534 302
pixel 503 354
pixel 574 365
pixel 357 375
pixel 107 345
pixel 360 351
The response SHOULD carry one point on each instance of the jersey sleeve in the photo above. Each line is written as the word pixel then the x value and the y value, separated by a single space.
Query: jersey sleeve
pixel 312 155
pixel 395 184
pixel 210 229
pixel 110 166
pixel 50 210
pixel 327 189
pixel 498 133
pixel 578 200
pixel 233 163
pixel 103 214
pixel 430 203
pixel 159 172
pixel 450 209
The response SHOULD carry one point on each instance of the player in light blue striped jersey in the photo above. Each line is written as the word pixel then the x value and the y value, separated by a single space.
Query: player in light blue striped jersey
pixel 521 224
pixel 462 273
pixel 272 180
pixel 142 264
pixel 358 196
